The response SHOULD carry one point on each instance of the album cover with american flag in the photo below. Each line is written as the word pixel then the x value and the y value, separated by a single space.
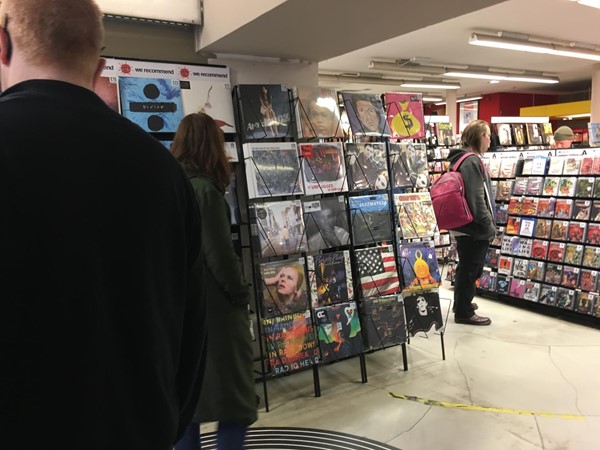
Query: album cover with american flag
pixel 377 271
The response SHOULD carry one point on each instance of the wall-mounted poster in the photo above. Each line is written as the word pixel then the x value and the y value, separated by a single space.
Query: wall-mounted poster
pixel 468 112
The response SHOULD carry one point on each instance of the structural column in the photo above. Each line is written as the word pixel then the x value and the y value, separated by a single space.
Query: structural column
pixel 451 109
pixel 595 94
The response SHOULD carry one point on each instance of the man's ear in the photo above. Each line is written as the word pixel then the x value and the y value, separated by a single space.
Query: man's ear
pixel 99 69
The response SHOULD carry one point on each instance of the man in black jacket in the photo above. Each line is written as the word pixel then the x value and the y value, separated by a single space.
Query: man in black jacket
pixel 101 311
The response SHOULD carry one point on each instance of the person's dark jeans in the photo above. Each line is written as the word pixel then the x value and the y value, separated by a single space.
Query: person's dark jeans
pixel 230 436
pixel 471 256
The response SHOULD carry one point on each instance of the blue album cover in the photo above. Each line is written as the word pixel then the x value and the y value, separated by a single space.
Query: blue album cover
pixel 370 216
pixel 152 103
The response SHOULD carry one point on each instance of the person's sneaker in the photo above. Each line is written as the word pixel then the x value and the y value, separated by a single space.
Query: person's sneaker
pixel 473 305
pixel 474 320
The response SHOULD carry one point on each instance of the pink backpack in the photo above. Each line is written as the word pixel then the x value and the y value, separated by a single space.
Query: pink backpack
pixel 448 198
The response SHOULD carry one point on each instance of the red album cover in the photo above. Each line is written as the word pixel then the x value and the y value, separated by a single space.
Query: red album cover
pixel 593 234
pixel 530 206
pixel 539 249
pixel 576 231
pixel 556 251
pixel 546 207
pixel 513 225
pixel 515 205
pixel 587 165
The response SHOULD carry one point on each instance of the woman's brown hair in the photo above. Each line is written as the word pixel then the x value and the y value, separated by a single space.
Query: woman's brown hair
pixel 472 134
pixel 199 146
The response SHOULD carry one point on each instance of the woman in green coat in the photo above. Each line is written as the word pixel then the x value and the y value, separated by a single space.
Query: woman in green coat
pixel 227 395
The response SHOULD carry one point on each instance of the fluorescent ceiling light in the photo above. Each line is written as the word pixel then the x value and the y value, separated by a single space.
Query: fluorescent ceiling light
pixel 430 85
pixel 436 119
pixel 527 45
pixel 432 99
pixel 405 67
pixel 592 3
pixel 501 76
pixel 462 100
pixel 519 119
pixel 576 116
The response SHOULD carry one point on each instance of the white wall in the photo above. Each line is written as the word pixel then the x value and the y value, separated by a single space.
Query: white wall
pixel 186 11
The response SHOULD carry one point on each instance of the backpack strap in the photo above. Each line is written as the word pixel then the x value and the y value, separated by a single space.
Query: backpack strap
pixel 460 160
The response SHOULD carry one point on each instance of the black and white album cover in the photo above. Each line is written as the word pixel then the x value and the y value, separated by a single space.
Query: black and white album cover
pixel 367 166
pixel 423 311
pixel 278 227
pixel 326 221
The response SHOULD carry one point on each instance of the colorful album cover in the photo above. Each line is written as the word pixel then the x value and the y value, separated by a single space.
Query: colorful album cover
pixel 584 302
pixel 520 186
pixel 520 267
pixel 423 312
pixel 370 218
pixel 504 189
pixel 209 97
pixel 570 277
pixel 594 134
pixel 591 257
pixel 542 228
pixel 326 222
pixel 566 186
pixel 588 280
pixel 553 273
pixel 559 230
pixel 409 164
pixel 377 271
pixel 504 134
pixel 585 187
pixel 519 133
pixel 318 113
pixel 279 227
pixel 445 134
pixel 339 331
pixel 534 186
pixel 556 165
pixel 366 114
pixel 530 206
pixel 501 213
pixel 290 342
pixel 415 215
pixel 491 258
pixel 494 167
pixel 571 165
pixel 534 134
pixel 272 169
pixel 546 207
pixel 587 165
pixel 502 284
pixel 527 226
pixel 419 265
pixel 152 103
pixel 107 89
pixel 539 249
pixel 516 288
pixel 547 132
pixel 487 281
pixel 330 277
pixel 573 254
pixel 515 205
pixel 513 225
pixel 596 193
pixel 366 165
pixel 405 115
pixel 505 264
pixel 283 287
pixel 265 111
pixel 576 231
pixel 565 298
pixel 556 252
pixel 548 295
pixel 593 234
pixel 383 318
pixel 563 208
pixel 596 167
pixel 323 168
pixel 535 270
pixel 532 291
pixel 497 241
pixel 581 209
pixel 550 187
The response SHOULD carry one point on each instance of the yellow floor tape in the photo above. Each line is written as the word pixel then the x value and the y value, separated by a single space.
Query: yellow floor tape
pixel 521 412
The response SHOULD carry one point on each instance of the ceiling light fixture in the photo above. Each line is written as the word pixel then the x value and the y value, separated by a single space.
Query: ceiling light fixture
pixel 483 75
pixel 405 66
pixel 432 99
pixel 429 85
pixel 464 99
pixel 511 42
pixel 592 3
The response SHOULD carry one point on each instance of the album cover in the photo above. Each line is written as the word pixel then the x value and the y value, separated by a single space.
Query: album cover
pixel 445 134
pixel 563 208
pixel 548 295
pixel 520 186
pixel 339 331
pixel 596 192
pixel 515 205
pixel 546 207
pixel 152 103
pixel 507 244
pixel 290 342
pixel 505 264
pixel 513 225
pixel 571 165
pixel 556 251
pixel 534 186
pixel 527 226
pixel 594 134
pixel 593 234
pixel 520 267
pixel 535 270
pixel 595 215
pixel 576 231
pixel 400 170
pixel 504 134
pixel 318 113
pixel 516 288
pixel 405 115
pixel 497 241
pixel 491 258
pixel 519 134
pixel 365 114
pixel 556 165
pixel 419 265
pixel 330 277
pixel 502 284
pixel 508 167
pixel 367 166
pixel 553 273
pixel 570 277
pixel 532 291
pixel 377 271
pixel 493 166
pixel 501 213
pixel 566 186
pixel 524 248
pixel 547 132
pixel 542 228
pixel 279 227
pixel 323 168
pixel 283 287
pixel 596 167
pixel 559 230
pixel 272 169
pixel 265 111
pixel 581 209
pixel 487 281
pixel 573 254
pixel 415 215
pixel 585 187
pixel 409 164
pixel 107 89
pixel 530 206
pixel 383 318
pixel 565 298
pixel 534 134
pixel 539 165
pixel 326 222
pixel 550 187
pixel 423 312
pixel 585 302
pixel 588 280
pixel 539 249
pixel 209 97
pixel 591 257
pixel 587 166
pixel 370 218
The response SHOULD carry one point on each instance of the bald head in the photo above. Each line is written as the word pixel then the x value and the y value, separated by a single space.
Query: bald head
pixel 63 35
